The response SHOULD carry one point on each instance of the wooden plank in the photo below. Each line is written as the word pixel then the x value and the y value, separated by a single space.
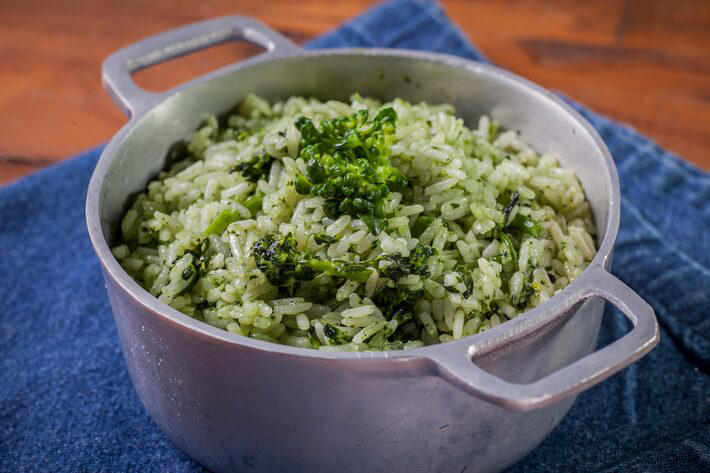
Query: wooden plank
pixel 643 62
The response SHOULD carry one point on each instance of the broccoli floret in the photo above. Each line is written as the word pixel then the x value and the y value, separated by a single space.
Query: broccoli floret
pixel 348 165
pixel 257 168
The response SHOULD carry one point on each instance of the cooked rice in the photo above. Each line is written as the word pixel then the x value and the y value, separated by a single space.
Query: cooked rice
pixel 461 177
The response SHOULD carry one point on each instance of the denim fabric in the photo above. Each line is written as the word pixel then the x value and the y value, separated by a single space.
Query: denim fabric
pixel 66 403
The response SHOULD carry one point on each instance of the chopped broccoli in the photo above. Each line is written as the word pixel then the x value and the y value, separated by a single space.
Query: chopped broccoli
pixel 338 335
pixel 527 225
pixel 415 263
pixel 420 225
pixel 397 303
pixel 222 221
pixel 321 238
pixel 254 202
pixel 257 168
pixel 348 165
pixel 520 222
pixel 285 266
pixel 509 250
pixel 313 337
pixel 198 265
pixel 521 301
pixel 466 278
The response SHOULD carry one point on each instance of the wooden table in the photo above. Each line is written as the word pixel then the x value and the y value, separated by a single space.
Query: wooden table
pixel 645 62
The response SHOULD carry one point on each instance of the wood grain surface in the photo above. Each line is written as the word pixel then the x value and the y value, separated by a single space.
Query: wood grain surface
pixel 644 62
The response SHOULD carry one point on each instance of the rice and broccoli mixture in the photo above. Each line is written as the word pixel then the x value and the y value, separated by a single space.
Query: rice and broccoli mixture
pixel 356 226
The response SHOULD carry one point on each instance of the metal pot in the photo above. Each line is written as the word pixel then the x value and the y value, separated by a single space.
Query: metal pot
pixel 237 404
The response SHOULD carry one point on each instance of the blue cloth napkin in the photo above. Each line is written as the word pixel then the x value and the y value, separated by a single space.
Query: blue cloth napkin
pixel 66 403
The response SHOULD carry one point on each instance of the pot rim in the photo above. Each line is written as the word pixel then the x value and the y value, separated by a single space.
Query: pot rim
pixel 504 333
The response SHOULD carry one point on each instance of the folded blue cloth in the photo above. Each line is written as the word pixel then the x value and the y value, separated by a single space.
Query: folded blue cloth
pixel 66 403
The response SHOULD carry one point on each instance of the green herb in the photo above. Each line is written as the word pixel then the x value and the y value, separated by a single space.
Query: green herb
pixel 347 163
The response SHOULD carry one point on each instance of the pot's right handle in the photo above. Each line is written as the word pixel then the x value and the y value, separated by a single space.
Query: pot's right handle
pixel 118 67
pixel 459 369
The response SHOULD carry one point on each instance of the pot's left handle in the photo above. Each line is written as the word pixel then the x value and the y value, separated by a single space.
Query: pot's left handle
pixel 118 67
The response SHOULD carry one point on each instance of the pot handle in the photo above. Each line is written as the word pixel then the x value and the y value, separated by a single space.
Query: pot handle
pixel 459 368
pixel 118 67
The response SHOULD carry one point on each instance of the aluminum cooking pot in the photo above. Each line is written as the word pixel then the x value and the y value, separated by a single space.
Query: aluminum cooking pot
pixel 234 403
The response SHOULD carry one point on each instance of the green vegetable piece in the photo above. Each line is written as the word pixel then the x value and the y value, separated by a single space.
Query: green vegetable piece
pixel 509 247
pixel 222 221
pixel 286 267
pixel 321 238
pixel 254 203
pixel 198 266
pixel 338 335
pixel 521 301
pixel 465 275
pixel 527 225
pixel 416 263
pixel 313 337
pixel 302 185
pixel 257 168
pixel 359 272
pixel 511 205
pixel 188 272
pixel 397 303
pixel 421 224
pixel 347 163
pixel 374 224
pixel 277 257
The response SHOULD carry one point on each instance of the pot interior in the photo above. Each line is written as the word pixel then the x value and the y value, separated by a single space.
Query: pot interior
pixel 140 149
